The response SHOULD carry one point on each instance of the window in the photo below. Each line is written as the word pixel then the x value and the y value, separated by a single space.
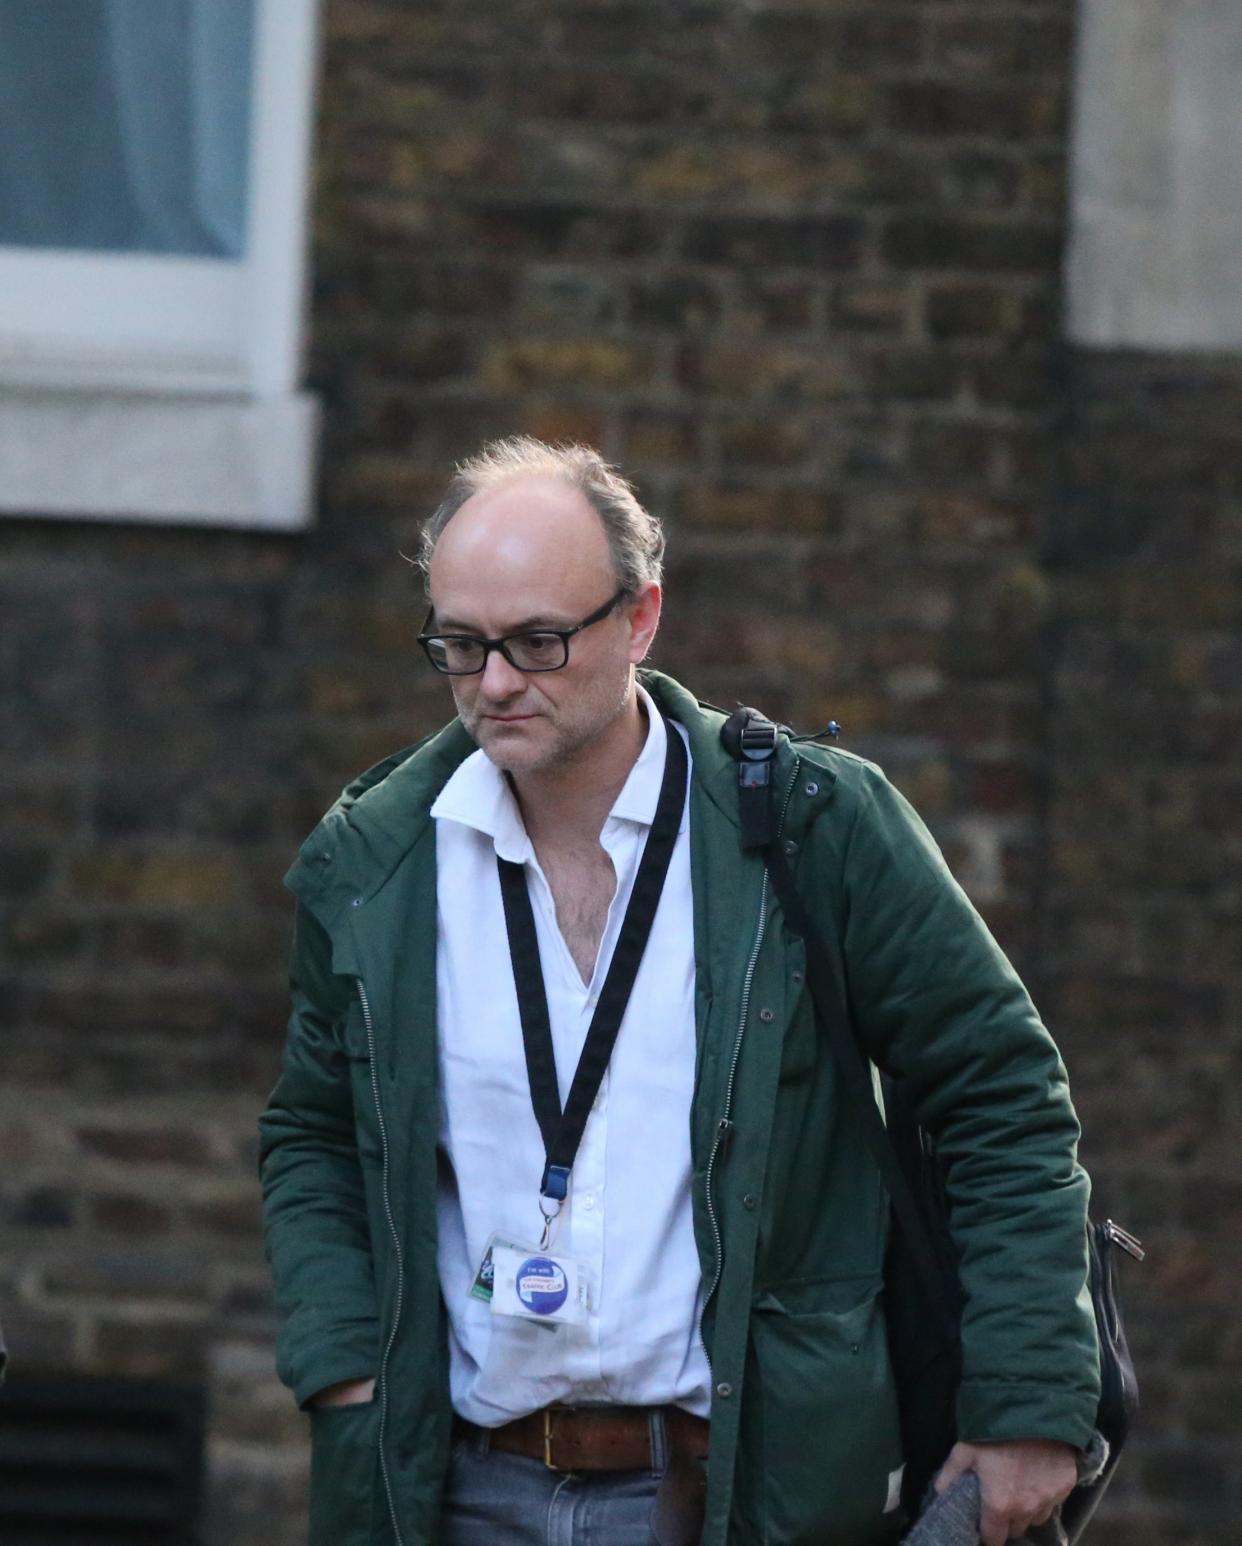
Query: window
pixel 153 179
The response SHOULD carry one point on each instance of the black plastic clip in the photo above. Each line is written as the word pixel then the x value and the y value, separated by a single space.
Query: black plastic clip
pixel 751 738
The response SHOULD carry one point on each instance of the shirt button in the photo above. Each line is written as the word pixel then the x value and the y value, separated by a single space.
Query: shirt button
pixel 790 847
pixel 812 788
pixel 796 979
pixel 749 1202
pixel 724 1390
pixel 767 1015
pixel 588 1202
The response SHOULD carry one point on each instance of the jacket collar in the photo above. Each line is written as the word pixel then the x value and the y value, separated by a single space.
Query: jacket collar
pixel 387 810
pixel 478 795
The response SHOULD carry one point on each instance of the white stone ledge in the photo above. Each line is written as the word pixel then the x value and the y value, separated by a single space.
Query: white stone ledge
pixel 1155 255
pixel 185 461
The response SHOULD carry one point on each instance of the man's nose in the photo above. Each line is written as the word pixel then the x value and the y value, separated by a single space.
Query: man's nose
pixel 500 679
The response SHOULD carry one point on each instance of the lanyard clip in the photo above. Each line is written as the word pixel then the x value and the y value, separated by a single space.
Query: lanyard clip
pixel 555 1185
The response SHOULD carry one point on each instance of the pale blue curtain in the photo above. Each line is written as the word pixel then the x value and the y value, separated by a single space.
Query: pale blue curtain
pixel 124 124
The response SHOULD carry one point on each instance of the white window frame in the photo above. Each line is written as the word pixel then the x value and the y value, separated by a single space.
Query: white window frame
pixel 164 388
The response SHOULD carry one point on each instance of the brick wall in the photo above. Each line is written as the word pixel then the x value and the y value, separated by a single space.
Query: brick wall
pixel 795 266
pixel 1143 919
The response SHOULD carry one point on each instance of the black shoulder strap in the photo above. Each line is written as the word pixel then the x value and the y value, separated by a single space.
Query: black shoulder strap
pixel 832 1007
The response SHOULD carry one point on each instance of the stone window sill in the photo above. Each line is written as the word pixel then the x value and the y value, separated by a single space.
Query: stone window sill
pixel 231 461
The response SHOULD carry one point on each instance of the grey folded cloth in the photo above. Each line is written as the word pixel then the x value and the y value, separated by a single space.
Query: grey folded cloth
pixel 951 1517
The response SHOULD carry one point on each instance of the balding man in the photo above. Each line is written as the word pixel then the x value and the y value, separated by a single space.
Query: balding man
pixel 577 1233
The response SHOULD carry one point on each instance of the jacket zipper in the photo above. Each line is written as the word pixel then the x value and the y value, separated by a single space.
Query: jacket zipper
pixel 396 1245
pixel 724 1128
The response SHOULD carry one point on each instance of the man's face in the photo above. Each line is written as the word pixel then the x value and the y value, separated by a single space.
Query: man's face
pixel 533 553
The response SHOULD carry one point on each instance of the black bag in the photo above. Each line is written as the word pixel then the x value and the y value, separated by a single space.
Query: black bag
pixel 922 1291
pixel 926 1353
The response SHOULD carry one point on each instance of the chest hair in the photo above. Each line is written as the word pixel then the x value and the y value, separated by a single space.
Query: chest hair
pixel 583 883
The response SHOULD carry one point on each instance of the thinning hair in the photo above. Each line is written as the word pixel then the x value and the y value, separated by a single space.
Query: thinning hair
pixel 635 536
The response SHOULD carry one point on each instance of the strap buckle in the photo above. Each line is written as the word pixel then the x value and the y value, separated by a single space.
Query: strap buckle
pixel 547 1441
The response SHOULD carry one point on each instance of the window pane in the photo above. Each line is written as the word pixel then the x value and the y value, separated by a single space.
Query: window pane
pixel 124 125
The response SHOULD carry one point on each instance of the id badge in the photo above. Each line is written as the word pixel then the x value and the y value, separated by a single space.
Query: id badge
pixel 485 1277
pixel 546 1287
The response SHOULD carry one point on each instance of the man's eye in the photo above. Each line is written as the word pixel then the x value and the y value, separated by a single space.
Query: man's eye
pixel 538 643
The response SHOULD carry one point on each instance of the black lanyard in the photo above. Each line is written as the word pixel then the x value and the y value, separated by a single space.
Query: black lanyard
pixel 562 1131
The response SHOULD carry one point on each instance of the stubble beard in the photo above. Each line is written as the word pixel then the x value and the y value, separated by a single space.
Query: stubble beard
pixel 562 737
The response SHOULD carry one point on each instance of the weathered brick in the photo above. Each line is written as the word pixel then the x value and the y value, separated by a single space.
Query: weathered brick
pixel 968 518
pixel 675 302
pixel 1002 45
pixel 44 935
pixel 972 311
pixel 763 370
pixel 166 1280
pixel 1016 381
pixel 559 422
pixel 827 242
pixel 522 229
pixel 739 506
pixel 172 880
pixel 951 451
pixel 754 442
pixel 773 301
pixel 150 1145
pixel 129 1214
pixel 914 375
pixel 596 92
pixel 236 1214
pixel 42 1207
pixel 165 1349
pixel 24 870
pixel 592 363
pixel 869 307
pixel 843 105
pixel 945 242
pixel 39 1340
pixel 985 112
pixel 660 436
pixel 879 42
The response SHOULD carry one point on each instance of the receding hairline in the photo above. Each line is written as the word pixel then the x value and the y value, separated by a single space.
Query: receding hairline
pixel 635 537
pixel 574 521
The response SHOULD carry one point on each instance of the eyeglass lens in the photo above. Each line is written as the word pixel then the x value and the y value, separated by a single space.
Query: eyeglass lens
pixel 527 651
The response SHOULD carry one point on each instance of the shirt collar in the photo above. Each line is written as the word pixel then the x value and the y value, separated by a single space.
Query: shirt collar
pixel 478 794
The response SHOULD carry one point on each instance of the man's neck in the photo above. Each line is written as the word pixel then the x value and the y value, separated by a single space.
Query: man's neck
pixel 573 801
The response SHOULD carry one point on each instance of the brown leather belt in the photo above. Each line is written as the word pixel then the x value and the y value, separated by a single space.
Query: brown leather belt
pixel 595 1438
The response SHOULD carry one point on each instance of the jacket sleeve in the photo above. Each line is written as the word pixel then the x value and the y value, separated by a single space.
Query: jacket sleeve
pixel 937 1003
pixel 314 1203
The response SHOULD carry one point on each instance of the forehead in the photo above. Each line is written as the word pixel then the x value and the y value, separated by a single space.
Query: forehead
pixel 533 547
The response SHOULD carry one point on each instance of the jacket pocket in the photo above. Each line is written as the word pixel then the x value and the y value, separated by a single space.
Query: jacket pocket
pixel 344 1473
pixel 825 1410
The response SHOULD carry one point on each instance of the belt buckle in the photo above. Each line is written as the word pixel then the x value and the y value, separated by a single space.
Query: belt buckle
pixel 547 1441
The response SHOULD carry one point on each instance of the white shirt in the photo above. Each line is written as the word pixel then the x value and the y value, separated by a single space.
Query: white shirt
pixel 627 1218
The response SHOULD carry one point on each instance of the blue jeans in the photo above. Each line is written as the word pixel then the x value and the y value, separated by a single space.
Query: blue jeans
pixel 496 1499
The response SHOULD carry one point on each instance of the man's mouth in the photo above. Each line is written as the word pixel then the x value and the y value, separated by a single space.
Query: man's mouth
pixel 508 719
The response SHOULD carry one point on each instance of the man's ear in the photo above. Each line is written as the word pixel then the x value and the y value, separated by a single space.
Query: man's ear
pixel 644 615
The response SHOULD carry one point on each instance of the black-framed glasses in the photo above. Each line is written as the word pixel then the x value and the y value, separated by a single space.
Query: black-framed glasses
pixel 533 649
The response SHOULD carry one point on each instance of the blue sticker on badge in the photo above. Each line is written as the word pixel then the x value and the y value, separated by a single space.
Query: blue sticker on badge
pixel 542 1285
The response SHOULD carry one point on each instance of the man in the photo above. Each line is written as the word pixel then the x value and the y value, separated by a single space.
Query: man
pixel 704 1249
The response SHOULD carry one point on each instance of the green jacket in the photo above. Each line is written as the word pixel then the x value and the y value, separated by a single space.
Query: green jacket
pixel 789 1213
